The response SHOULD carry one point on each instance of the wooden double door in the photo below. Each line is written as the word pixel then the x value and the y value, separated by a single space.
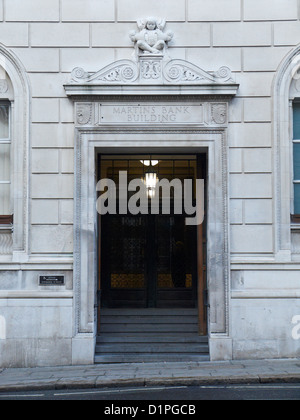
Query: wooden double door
pixel 148 261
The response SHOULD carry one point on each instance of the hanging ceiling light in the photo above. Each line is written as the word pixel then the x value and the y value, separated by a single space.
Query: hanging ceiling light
pixel 149 162
pixel 151 179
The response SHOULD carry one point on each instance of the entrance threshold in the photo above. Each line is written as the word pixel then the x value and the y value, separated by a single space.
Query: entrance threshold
pixel 150 335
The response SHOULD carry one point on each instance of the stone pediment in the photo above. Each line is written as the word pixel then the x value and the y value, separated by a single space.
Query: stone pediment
pixel 148 75
pixel 152 71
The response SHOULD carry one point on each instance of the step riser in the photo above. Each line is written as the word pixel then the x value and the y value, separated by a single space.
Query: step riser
pixel 148 312
pixel 148 320
pixel 138 338
pixel 150 358
pixel 166 348
pixel 162 328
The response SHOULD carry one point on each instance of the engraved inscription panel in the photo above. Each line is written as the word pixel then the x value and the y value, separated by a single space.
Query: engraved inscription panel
pixel 151 114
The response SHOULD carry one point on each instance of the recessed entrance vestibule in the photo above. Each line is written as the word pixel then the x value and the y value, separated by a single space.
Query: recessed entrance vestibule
pixel 152 258
pixel 152 265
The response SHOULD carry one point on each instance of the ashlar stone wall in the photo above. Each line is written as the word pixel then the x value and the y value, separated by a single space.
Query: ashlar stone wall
pixel 252 38
pixel 54 36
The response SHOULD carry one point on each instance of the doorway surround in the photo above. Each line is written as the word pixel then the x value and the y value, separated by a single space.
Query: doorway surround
pixel 123 109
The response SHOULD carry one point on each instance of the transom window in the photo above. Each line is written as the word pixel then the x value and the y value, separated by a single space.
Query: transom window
pixel 5 176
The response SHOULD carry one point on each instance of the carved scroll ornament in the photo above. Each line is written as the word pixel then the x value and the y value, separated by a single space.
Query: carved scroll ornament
pixel 151 64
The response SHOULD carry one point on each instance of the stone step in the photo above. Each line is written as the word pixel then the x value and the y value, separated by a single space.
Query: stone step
pixel 108 348
pixel 148 319
pixel 148 357
pixel 149 311
pixel 151 334
pixel 151 338
pixel 149 327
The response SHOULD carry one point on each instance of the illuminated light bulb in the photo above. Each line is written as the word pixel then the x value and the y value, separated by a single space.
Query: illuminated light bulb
pixel 150 181
pixel 149 162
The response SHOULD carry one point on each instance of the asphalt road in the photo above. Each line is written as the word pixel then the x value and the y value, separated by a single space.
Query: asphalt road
pixel 172 396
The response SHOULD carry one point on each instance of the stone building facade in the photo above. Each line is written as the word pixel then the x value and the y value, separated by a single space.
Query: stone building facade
pixel 71 75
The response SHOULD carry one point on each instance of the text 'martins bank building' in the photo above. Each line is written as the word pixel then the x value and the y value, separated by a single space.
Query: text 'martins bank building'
pixel 107 106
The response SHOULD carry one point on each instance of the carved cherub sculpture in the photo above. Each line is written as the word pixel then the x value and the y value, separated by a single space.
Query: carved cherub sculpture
pixel 151 39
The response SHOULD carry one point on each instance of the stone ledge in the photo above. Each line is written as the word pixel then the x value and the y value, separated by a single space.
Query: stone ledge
pixel 157 90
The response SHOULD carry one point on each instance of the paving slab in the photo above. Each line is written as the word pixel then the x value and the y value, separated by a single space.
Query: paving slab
pixel 149 374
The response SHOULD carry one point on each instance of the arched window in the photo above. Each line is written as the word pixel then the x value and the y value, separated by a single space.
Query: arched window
pixel 296 161
pixel 5 167
pixel 14 157
pixel 287 155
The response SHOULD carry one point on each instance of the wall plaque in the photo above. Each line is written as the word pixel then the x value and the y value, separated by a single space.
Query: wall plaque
pixel 51 280
pixel 151 114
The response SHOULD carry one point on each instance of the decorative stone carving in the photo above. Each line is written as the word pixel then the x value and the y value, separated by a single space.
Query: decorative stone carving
pixel 84 113
pixel 3 86
pixel 152 66
pixel 151 69
pixel 180 71
pixel 295 85
pixel 174 72
pixel 223 75
pixel 122 71
pixel 151 39
pixel 219 113
pixel 6 243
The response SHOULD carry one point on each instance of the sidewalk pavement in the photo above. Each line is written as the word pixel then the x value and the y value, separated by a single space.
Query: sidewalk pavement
pixel 149 374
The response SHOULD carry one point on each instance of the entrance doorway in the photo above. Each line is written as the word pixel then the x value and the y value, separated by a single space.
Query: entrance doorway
pixel 152 260
pixel 148 261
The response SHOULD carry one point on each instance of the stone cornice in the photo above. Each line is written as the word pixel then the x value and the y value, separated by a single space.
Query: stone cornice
pixel 79 90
